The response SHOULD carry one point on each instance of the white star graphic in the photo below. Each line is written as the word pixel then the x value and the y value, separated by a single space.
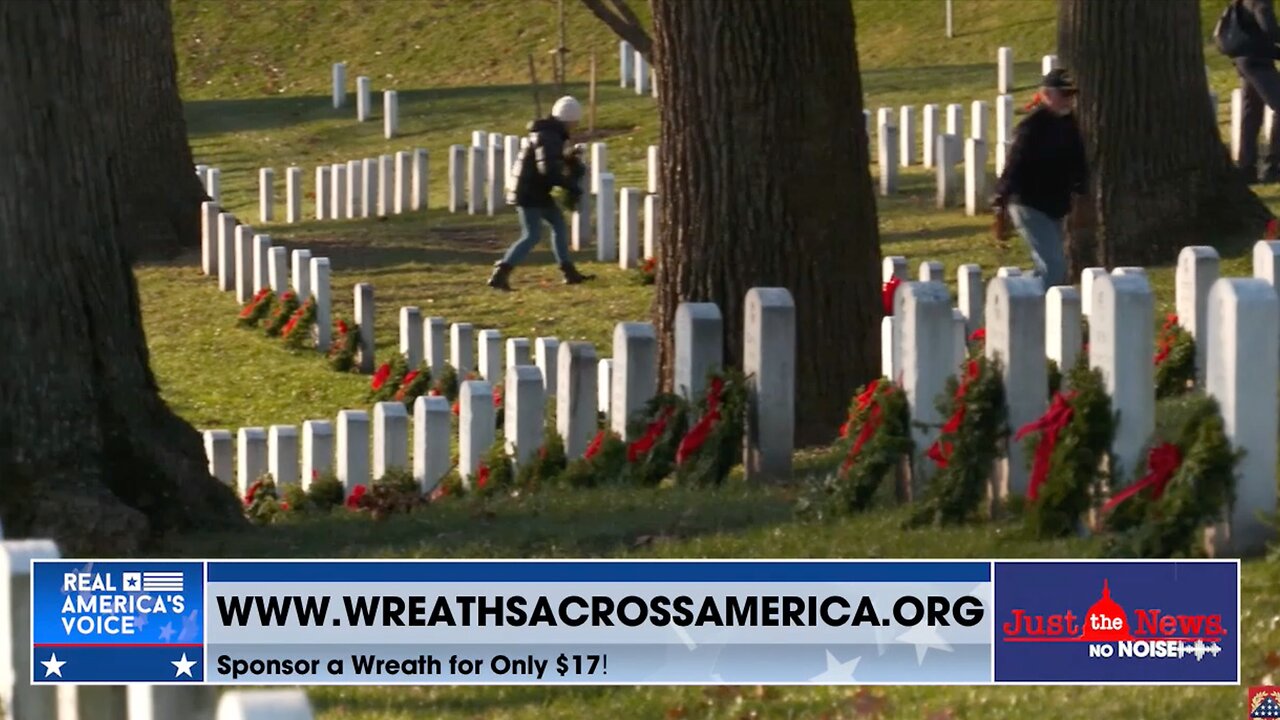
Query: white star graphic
pixel 53 666
pixel 166 632
pixel 184 666
pixel 837 672
pixel 924 637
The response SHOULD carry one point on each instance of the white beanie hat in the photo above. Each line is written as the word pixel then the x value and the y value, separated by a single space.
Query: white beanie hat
pixel 567 109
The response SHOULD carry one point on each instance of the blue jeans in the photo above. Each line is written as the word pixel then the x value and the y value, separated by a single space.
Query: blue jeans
pixel 1044 236
pixel 531 219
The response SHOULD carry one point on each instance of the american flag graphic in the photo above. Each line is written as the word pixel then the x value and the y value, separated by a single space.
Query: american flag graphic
pixel 1264 703
pixel 162 582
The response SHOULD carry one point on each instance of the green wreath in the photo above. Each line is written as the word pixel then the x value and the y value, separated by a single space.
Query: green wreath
pixel 713 445
pixel 1175 359
pixel 874 440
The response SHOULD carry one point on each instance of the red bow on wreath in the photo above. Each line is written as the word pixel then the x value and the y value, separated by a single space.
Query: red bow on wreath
pixel 863 400
pixel 1049 425
pixel 868 428
pixel 940 452
pixel 594 447
pixel 887 292
pixel 353 500
pixel 380 377
pixel 978 336
pixel 697 436
pixel 1167 336
pixel 1162 463
pixel 646 442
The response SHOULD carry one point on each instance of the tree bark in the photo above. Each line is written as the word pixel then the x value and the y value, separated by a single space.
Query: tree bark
pixel 1161 177
pixel 90 456
pixel 764 182
pixel 160 202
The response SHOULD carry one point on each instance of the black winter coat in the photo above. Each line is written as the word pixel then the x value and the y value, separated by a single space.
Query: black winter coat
pixel 1259 18
pixel 541 166
pixel 1046 164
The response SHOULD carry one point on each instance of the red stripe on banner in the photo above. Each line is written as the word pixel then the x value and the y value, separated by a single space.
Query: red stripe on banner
pixel 115 645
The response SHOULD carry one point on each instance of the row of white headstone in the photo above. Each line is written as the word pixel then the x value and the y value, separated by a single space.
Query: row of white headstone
pixel 1004 69
pixel 1236 323
pixel 568 372
pixel 634 70
pixel 371 187
pixel 364 100
pixel 24 701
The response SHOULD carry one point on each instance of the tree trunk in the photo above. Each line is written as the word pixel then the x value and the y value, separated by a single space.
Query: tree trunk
pixel 160 205
pixel 1161 177
pixel 90 456
pixel 764 182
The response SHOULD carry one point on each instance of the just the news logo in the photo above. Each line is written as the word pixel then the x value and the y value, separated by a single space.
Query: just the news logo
pixel 106 603
pixel 1117 622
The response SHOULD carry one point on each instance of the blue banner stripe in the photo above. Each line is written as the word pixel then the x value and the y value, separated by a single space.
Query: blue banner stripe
pixel 554 571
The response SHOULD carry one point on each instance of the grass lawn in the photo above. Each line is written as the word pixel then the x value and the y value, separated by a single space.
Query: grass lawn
pixel 257 96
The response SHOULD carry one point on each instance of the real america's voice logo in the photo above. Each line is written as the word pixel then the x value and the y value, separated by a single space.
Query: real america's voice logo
pixel 1104 631
pixel 105 603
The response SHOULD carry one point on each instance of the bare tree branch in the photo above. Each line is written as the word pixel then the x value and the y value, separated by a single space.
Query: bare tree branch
pixel 623 22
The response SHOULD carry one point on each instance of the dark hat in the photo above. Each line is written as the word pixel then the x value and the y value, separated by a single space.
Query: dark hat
pixel 1059 79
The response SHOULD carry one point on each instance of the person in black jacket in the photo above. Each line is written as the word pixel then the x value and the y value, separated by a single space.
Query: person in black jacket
pixel 1045 168
pixel 1256 65
pixel 545 163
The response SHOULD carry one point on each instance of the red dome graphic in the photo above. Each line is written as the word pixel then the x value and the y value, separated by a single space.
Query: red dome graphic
pixel 1106 620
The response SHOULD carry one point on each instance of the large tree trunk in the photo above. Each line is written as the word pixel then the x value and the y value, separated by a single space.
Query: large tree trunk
pixel 89 454
pixel 764 182
pixel 1160 175
pixel 159 208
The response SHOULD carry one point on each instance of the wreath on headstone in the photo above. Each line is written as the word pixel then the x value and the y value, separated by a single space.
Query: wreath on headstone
pixel 414 384
pixel 1065 448
pixel 547 465
pixel 395 492
pixel 713 444
pixel 297 331
pixel 647 273
pixel 1175 359
pixel 967 446
pixel 604 461
pixel 446 385
pixel 658 429
pixel 257 309
pixel 386 380
pixel 286 305
pixel 342 350
pixel 873 441
pixel 1187 484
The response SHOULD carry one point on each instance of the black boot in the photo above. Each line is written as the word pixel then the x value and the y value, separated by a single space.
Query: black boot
pixel 572 276
pixel 498 280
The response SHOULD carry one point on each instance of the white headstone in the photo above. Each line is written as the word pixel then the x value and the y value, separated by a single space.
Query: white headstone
pixel 251 456
pixel 390 438
pixel 635 363
pixel 769 361
pixel 457 177
pixel 925 340
pixel 355 187
pixel 261 262
pixel 266 195
pixel 975 177
pixel 652 218
pixel 1266 262
pixel 1015 334
pixel 629 228
pixel 1064 336
pixel 411 345
pixel 580 223
pixel 219 450
pixel 699 347
pixel 606 237
pixel 475 179
pixel 1008 271
pixel 338 191
pixel 22 699
pixel 971 296
pixel 390 113
pixel 626 64
pixel 1087 276
pixel 604 387
pixel 419 196
pixel 353 449
pixel 244 264
pixel 1237 122
pixel 302 274
pixel 369 190
pixel 462 348
pixel 209 237
pixel 654 161
pixel 431 430
pixel 489 359
pixel 1047 63
pixel 322 191
pixel 479 138
pixel 599 164
pixel 214 188
pixel 434 330
pixel 339 85
pixel 930 130
pixel 642 75
pixel 959 339
pixel 1004 72
pixel 363 301
pixel 546 355
pixel 518 352
pixel 955 120
pixel 293 194
pixel 320 291
pixel 497 174
pixel 386 185
pixel 1268 123
pixel 364 98
pixel 1002 156
pixel 946 160
pixel 894 266
pixel 887 158
pixel 226 252
pixel 1243 364
pixel 1004 119
pixel 890 357
pixel 523 416
pixel 978 120
pixel 317 450
pixel 402 189
pixel 1196 274
pixel 160 702
pixel 282 454
pixel 289 704
pixel 576 397
pixel 1120 326
pixel 906 135
pixel 932 271
pixel 476 429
